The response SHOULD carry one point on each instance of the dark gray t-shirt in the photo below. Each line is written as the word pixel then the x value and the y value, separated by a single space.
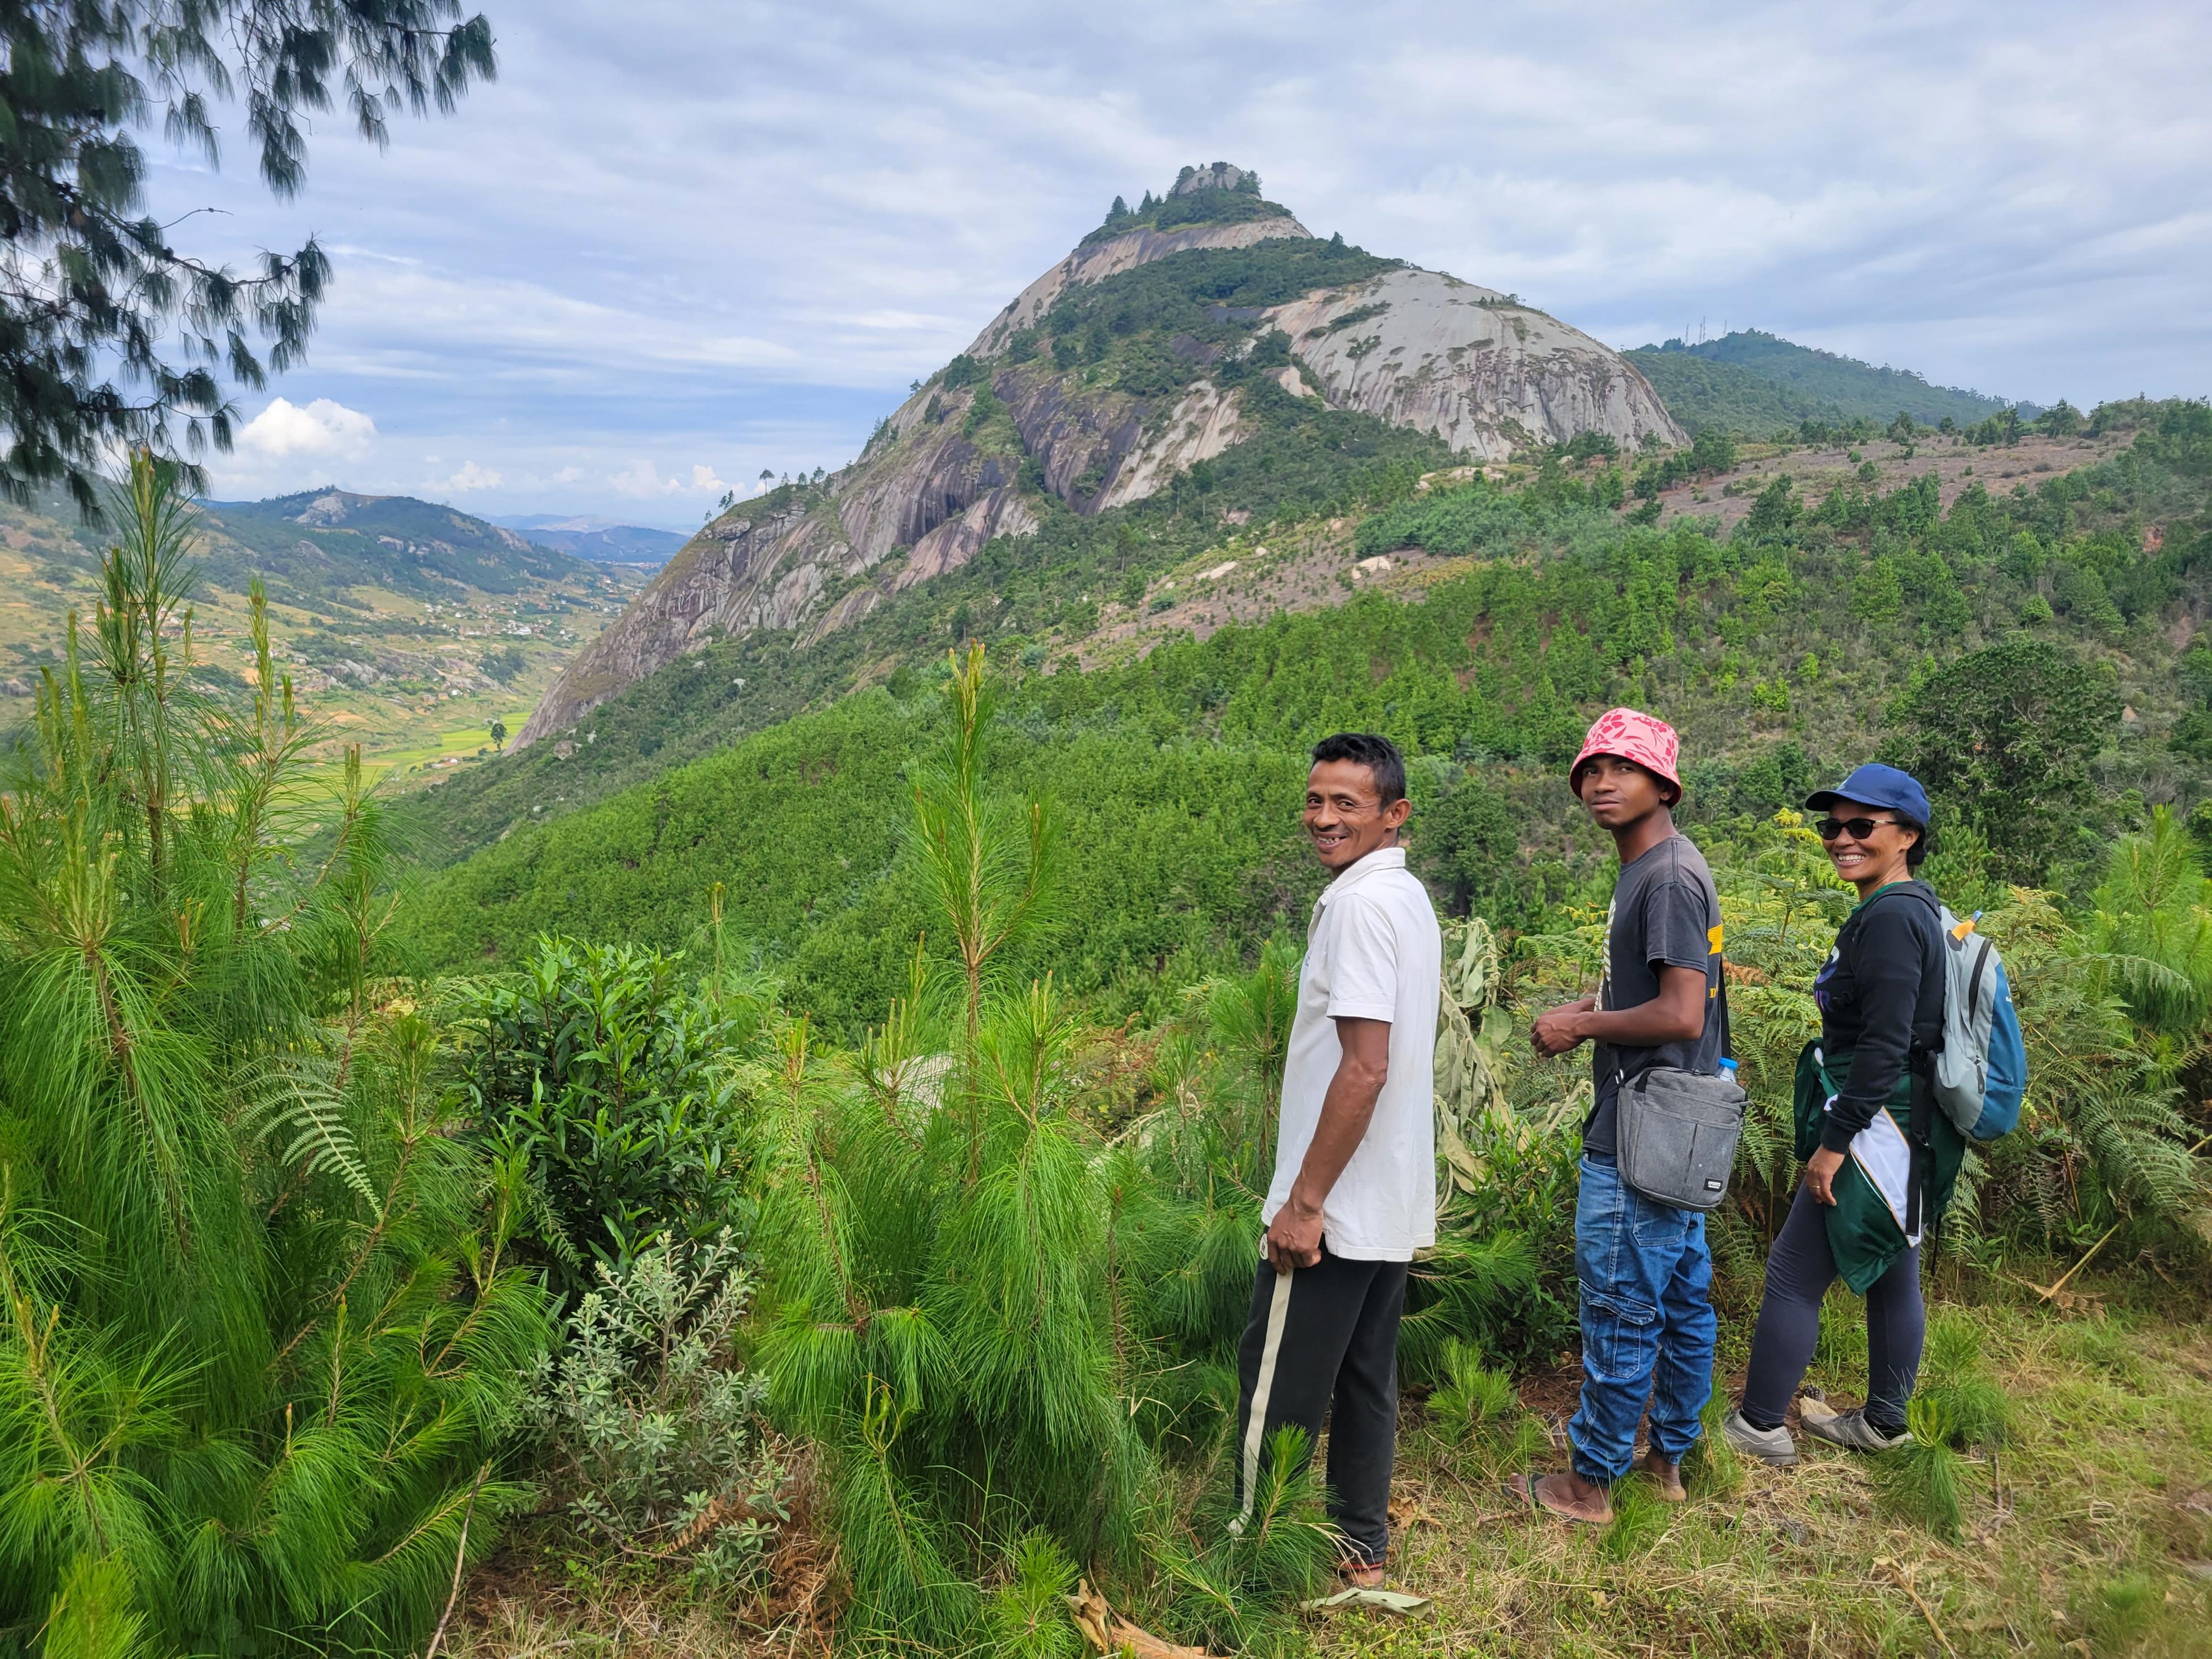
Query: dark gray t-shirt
pixel 1665 915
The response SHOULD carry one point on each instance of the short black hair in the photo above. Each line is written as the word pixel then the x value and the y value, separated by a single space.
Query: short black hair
pixel 1916 854
pixel 1379 755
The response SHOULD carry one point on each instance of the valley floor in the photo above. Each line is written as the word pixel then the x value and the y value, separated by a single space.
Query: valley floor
pixel 2090 1534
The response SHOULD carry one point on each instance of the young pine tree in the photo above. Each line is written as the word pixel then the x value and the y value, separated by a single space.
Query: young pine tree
pixel 260 1331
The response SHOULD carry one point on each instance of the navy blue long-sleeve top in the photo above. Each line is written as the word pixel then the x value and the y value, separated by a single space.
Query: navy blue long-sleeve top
pixel 1881 989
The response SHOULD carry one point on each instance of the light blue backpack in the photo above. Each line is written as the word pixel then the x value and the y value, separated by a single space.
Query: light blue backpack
pixel 1981 1072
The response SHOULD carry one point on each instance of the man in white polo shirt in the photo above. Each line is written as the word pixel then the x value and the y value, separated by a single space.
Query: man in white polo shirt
pixel 1354 1192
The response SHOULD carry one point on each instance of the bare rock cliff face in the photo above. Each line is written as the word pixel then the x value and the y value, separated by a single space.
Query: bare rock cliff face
pixel 928 490
pixel 1485 373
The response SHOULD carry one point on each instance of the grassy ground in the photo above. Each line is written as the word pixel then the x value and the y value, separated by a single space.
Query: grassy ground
pixel 2080 1535
pixel 2090 1532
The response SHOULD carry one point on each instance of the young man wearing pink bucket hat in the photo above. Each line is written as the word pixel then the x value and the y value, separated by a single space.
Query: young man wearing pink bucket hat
pixel 1647 1319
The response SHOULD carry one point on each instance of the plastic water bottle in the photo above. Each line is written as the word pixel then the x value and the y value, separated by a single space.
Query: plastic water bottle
pixel 1728 1070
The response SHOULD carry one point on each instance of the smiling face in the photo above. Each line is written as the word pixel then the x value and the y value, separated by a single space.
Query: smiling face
pixel 1879 858
pixel 1345 817
pixel 1618 793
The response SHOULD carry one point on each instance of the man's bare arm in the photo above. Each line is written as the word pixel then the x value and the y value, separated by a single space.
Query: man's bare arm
pixel 1294 1237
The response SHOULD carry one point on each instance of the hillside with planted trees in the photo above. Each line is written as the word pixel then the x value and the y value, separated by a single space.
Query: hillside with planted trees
pixel 774 1162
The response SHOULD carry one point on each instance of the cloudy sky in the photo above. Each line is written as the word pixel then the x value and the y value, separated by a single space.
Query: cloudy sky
pixel 675 244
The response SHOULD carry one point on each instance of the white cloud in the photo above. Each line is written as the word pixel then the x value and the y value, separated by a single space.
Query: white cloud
pixel 322 429
pixel 642 479
pixel 472 476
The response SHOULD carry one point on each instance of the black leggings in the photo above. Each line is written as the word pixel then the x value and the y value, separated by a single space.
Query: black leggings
pixel 1799 1270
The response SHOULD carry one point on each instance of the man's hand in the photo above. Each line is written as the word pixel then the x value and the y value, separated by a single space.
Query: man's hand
pixel 1554 1032
pixel 1820 1171
pixel 1293 1237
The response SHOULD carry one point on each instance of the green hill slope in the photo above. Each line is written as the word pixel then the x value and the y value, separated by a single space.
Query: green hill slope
pixel 1753 383
pixel 321 542
pixel 1778 652
pixel 406 627
pixel 1037 598
pixel 1703 394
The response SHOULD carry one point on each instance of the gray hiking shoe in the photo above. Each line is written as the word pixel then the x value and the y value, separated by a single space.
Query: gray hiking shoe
pixel 1770 1446
pixel 1849 1430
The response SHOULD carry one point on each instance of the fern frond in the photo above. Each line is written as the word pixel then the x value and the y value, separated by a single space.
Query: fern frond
pixel 297 1099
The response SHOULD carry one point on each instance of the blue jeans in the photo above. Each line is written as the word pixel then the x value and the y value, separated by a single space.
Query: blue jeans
pixel 1647 1323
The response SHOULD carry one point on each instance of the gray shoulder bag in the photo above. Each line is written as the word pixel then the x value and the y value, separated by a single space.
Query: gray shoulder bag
pixel 1677 1130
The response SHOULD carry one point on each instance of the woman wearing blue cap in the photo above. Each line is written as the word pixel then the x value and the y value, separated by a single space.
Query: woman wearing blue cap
pixel 1879 1161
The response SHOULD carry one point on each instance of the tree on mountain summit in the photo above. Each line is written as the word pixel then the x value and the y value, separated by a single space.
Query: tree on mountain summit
pixel 110 336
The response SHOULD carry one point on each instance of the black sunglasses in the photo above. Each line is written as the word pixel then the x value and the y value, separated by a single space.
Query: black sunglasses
pixel 1857 829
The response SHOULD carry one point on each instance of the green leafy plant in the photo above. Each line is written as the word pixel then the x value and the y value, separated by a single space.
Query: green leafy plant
pixel 1919 1480
pixel 1027 1617
pixel 1957 1407
pixel 1477 1411
pixel 1639 1519
pixel 1713 1469
pixel 649 1424
pixel 607 1078
pixel 1232 1575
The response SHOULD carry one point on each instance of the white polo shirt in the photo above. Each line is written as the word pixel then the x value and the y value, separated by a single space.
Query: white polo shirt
pixel 1373 951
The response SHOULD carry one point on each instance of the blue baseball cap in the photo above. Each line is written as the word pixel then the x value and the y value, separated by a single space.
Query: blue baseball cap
pixel 1877 785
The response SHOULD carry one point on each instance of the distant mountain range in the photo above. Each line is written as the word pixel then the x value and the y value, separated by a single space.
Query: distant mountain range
pixel 318 543
pixel 1753 383
pixel 604 541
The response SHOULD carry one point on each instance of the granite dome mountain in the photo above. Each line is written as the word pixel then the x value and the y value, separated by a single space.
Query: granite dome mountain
pixel 1167 337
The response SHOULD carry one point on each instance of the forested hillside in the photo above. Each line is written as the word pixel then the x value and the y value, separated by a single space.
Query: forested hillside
pixel 1753 383
pixel 1816 633
pixel 940 1148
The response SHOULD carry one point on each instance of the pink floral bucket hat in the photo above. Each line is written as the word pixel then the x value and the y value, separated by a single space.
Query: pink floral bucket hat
pixel 1631 735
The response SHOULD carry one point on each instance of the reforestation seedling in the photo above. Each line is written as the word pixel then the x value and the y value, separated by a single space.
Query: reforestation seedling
pixel 1010 1334
pixel 264 1329
pixel 1959 1407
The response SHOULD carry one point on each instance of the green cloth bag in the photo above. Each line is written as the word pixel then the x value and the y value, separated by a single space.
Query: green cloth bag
pixel 1863 1234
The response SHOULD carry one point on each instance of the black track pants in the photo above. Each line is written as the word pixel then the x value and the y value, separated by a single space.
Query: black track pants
pixel 1323 1337
pixel 1799 1270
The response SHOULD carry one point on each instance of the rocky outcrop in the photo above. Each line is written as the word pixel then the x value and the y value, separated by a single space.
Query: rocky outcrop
pixel 952 543
pixel 736 568
pixel 1485 373
pixel 763 565
pixel 1200 426
pixel 1220 176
